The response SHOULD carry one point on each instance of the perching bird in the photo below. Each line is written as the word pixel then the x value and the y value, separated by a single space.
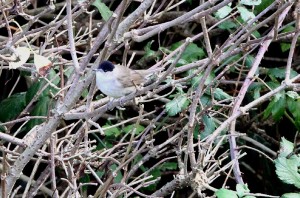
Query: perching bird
pixel 117 81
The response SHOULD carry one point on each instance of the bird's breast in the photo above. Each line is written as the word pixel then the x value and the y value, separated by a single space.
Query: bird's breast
pixel 110 86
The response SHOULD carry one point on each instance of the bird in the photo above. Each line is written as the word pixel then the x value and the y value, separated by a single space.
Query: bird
pixel 116 80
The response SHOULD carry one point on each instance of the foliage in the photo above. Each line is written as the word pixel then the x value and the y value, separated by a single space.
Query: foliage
pixel 287 165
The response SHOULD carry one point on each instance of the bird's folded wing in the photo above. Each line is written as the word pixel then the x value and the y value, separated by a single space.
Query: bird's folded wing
pixel 128 77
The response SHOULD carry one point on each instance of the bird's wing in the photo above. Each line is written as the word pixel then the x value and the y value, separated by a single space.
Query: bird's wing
pixel 128 77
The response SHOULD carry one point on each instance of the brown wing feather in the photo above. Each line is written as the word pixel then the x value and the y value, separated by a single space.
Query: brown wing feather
pixel 129 78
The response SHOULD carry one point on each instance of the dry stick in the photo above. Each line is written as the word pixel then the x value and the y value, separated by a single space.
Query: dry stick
pixel 71 37
pixel 3 174
pixel 290 57
pixel 177 183
pixel 132 189
pixel 241 95
pixel 53 139
pixel 259 151
pixel 191 124
pixel 205 34
pixel 7 27
pixel 12 139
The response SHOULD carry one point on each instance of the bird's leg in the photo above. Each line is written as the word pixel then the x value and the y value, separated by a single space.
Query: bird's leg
pixel 121 103
pixel 136 86
pixel 135 101
pixel 109 105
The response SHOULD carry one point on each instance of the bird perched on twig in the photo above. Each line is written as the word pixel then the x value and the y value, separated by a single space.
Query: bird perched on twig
pixel 116 81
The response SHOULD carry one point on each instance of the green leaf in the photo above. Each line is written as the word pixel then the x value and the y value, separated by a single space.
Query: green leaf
pixel 137 159
pixel 138 128
pixel 224 193
pixel 293 107
pixel 192 53
pixel 257 92
pixel 169 166
pixel 103 9
pixel 249 61
pixel 291 195
pixel 241 189
pixel 190 1
pixel 85 179
pixel 273 84
pixel 223 12
pixel 231 59
pixel 195 81
pixel 287 170
pixel 245 13
pixel 227 25
pixel 52 77
pixel 286 147
pixel 35 88
pixel 155 174
pixel 289 28
pixel 176 105
pixel 276 107
pixel 41 108
pixel 11 107
pixel 205 100
pixel 111 131
pixel 209 126
pixel 84 93
pixel 277 72
pixel 2 128
pixel 280 73
pixel 100 174
pixel 148 51
pixel 292 94
pixel 285 46
pixel 69 71
pixel 250 2
pixel 117 175
pixel 256 34
pixel 264 4
pixel 219 94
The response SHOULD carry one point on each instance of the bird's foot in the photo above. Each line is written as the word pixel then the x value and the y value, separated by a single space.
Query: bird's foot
pixel 109 105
